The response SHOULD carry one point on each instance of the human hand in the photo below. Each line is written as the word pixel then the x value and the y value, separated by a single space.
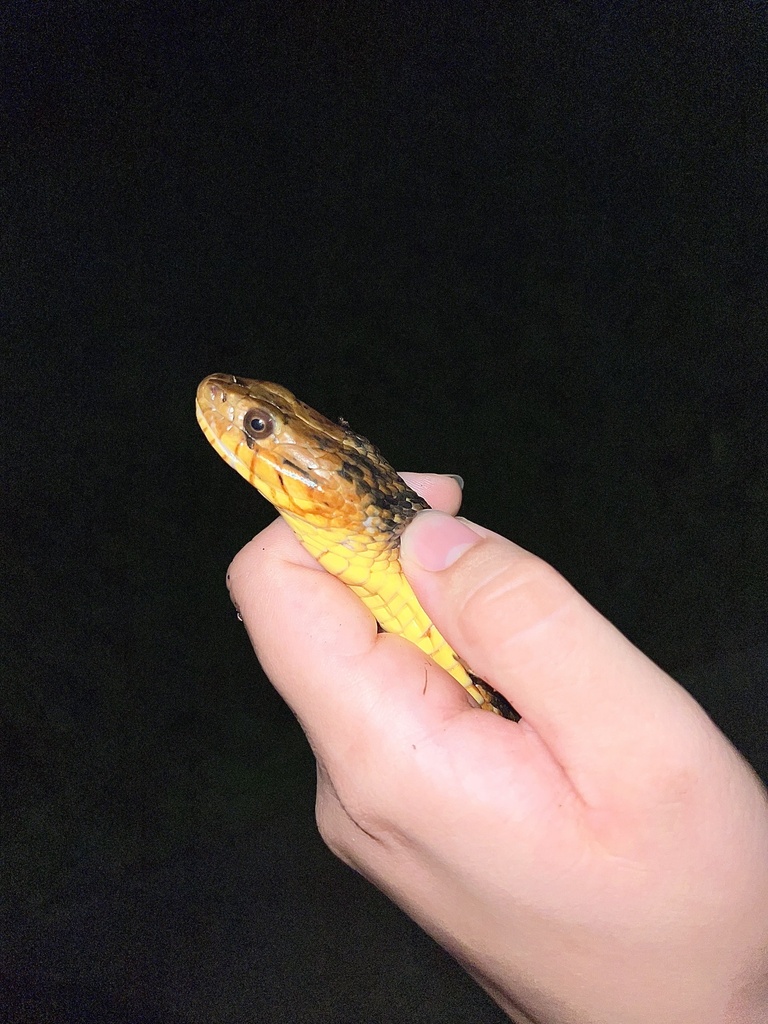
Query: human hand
pixel 602 861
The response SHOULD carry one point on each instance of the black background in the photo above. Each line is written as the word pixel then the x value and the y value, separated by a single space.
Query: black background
pixel 521 242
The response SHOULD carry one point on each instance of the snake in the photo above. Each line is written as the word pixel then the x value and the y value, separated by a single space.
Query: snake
pixel 343 500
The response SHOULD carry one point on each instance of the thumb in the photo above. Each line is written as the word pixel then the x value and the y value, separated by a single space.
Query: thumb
pixel 596 701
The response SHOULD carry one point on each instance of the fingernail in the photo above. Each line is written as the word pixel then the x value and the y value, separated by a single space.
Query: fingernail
pixel 434 540
pixel 459 479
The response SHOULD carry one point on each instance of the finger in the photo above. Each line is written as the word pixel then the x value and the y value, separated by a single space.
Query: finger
pixel 595 700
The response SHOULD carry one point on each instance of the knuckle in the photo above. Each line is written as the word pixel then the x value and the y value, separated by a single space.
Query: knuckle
pixel 335 837
pixel 512 598
pixel 342 828
pixel 345 812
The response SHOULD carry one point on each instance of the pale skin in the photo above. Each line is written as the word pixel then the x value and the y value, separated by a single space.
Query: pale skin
pixel 603 861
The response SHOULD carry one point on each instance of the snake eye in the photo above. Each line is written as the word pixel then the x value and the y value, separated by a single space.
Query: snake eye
pixel 258 424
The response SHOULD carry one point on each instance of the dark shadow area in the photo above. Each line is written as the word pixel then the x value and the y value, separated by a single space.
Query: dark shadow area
pixel 524 245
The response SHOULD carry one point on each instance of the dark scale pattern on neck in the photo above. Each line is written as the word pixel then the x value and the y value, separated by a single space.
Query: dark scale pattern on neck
pixel 388 497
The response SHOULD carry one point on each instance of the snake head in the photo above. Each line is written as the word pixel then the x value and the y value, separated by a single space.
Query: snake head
pixel 303 463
